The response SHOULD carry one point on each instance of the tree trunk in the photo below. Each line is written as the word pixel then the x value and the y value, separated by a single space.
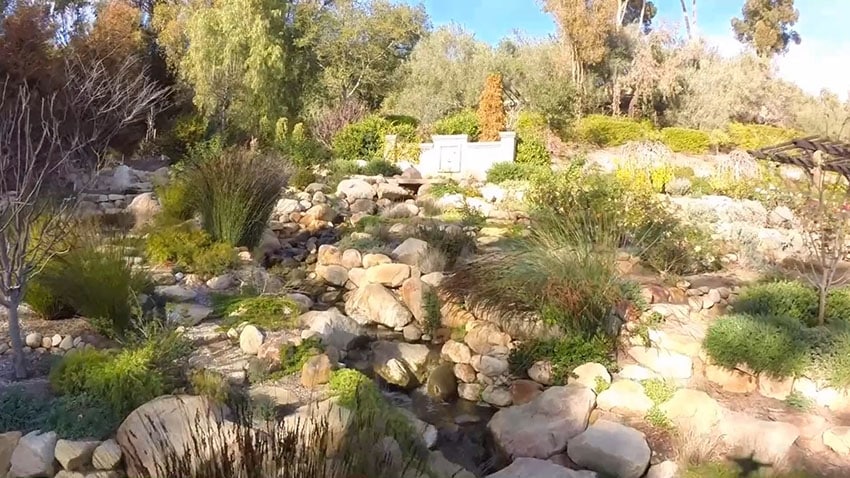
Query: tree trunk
pixel 13 302
pixel 822 302
pixel 687 19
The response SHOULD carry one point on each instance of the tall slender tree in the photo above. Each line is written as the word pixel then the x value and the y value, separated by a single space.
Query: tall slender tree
pixel 767 26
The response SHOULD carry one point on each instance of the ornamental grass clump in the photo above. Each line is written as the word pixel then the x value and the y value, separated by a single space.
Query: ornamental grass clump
pixel 235 193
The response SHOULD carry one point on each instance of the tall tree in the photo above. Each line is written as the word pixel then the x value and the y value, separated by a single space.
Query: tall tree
pixel 636 11
pixel 363 44
pixel 584 26
pixel 690 18
pixel 766 25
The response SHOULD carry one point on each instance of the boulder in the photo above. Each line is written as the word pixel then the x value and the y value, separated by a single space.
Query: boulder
pixel 483 337
pixel 372 260
pixel 532 467
pixel 334 275
pixel 464 372
pixel 413 292
pixel 222 282
pixel 329 255
pixel 321 212
pixel 442 383
pixel 730 380
pixel 426 432
pixel 411 333
pixel 587 374
pixel 106 456
pixel 34 455
pixel 304 303
pixel 497 396
pixel 624 397
pixel 171 422
pixel 665 469
pixel 636 372
pixel 611 448
pixel 363 206
pixel 74 455
pixel 665 363
pixel 176 293
pixel 390 275
pixel 399 363
pixel 393 192
pixel 541 372
pixel 188 315
pixel 469 391
pixel 411 251
pixel 524 391
pixel 489 366
pixel 336 329
pixel 542 427
pixel 357 277
pixel 692 411
pixel 143 208
pixel 836 438
pixel 766 442
pixel 285 207
pixel 250 340
pixel 775 388
pixel 67 343
pixel 354 189
pixel 316 371
pixel 443 468
pixel 351 258
pixel 8 443
pixel 433 279
pixel 456 352
pixel 374 303
pixel 33 340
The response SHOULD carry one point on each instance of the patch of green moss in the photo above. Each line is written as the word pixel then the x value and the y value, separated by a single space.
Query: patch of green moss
pixel 268 312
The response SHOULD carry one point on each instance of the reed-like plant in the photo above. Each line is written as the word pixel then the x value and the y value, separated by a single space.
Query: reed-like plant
pixel 235 193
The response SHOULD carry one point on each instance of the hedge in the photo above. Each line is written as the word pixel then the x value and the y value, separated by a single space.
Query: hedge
pixel 604 130
pixel 755 136
pixel 685 140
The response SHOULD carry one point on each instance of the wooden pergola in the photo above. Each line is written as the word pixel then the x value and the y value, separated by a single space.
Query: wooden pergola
pixel 799 152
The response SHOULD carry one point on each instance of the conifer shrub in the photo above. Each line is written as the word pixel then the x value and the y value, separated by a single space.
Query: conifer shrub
pixel 606 131
pixel 686 140
pixel 491 109
pixel 464 122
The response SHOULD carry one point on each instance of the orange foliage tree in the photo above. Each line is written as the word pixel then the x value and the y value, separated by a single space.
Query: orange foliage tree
pixel 27 54
pixel 115 35
pixel 491 109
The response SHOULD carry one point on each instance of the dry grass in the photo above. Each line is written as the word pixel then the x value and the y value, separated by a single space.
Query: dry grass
pixel 696 447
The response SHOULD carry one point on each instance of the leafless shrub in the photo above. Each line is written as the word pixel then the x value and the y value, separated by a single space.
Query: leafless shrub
pixel 646 154
pixel 737 165
pixel 328 121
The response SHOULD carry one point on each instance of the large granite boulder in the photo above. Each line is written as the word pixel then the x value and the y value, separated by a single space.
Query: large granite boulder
pixel 611 448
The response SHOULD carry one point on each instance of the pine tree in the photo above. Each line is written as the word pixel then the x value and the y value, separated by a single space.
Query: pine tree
pixel 491 109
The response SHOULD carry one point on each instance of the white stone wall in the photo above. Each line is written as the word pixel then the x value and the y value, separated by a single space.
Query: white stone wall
pixel 454 156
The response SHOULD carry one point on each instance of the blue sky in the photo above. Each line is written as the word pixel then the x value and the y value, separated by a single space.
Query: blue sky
pixel 821 61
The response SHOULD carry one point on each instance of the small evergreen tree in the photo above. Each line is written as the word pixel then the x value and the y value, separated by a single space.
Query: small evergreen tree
pixel 491 109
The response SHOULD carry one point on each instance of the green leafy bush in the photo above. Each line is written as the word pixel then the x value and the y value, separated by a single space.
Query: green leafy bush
pixel 362 140
pixel 188 130
pixel 351 387
pixel 658 390
pixel 301 149
pixel 293 358
pixel 789 299
pixel 83 416
pixel 43 297
pixel 772 345
pixel 532 151
pixel 672 247
pixel 302 178
pixel 686 140
pixel 380 167
pixel 268 312
pixel 755 136
pixel 564 354
pixel 124 380
pixel 21 410
pixel 235 194
pixel 501 172
pixel 530 124
pixel 604 130
pixel 464 122
pixel 190 249
pixel 174 201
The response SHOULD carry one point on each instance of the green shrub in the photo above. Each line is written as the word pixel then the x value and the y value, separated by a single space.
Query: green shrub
pixel 671 247
pixel 790 299
pixel 214 260
pixel 380 167
pixel 798 401
pixel 755 136
pixel 175 204
pixel 22 411
pixel 402 120
pixel 658 390
pixel 447 188
pixel 124 380
pixel 188 130
pixel 685 140
pixel 657 418
pixel 92 279
pixel 83 416
pixel 266 311
pixel 772 345
pixel 211 385
pixel 43 296
pixel 464 122
pixel 501 172
pixel 293 358
pixel 351 387
pixel 235 194
pixel 362 140
pixel 302 178
pixel 530 124
pixel 344 167
pixel 611 130
pixel 532 151
pixel 301 149
pixel 564 354
pixel 448 241
pixel 433 313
